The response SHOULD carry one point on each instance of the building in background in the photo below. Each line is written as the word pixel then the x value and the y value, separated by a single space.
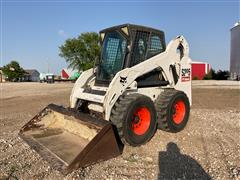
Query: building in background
pixel 235 52
pixel 200 69
pixel 31 75
pixel 2 77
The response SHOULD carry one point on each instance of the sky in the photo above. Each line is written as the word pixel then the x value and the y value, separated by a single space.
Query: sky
pixel 32 30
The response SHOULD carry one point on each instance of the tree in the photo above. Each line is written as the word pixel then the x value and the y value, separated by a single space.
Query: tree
pixel 13 71
pixel 222 75
pixel 82 52
pixel 219 75
pixel 195 78
pixel 209 75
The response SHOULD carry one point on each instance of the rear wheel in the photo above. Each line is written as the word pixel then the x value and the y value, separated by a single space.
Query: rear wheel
pixel 172 110
pixel 135 118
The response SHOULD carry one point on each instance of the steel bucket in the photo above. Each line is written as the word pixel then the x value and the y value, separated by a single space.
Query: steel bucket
pixel 68 139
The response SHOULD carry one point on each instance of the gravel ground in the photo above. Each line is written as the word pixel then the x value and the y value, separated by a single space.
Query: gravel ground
pixel 209 146
pixel 216 84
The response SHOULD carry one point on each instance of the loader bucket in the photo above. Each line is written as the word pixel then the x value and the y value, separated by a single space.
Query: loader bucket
pixel 68 139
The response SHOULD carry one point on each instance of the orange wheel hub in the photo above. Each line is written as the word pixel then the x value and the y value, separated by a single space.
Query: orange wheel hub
pixel 141 120
pixel 179 111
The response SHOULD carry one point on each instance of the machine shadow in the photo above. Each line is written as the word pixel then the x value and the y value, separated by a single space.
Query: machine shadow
pixel 174 165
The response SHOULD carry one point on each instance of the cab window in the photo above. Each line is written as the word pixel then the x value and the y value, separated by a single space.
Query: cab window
pixel 140 47
pixel 156 46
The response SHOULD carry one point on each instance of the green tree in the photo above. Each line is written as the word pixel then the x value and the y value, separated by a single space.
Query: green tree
pixel 222 75
pixel 209 75
pixel 13 71
pixel 217 75
pixel 195 78
pixel 82 52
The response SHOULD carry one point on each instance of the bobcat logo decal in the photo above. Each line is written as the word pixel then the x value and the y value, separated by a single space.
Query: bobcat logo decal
pixel 123 80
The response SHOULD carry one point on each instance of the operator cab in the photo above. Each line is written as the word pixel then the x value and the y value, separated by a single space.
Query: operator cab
pixel 125 46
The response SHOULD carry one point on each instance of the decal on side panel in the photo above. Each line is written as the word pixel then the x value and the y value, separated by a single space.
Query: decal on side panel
pixel 186 74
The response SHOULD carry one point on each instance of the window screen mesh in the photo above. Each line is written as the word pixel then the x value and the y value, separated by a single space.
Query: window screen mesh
pixel 156 46
pixel 114 48
pixel 140 47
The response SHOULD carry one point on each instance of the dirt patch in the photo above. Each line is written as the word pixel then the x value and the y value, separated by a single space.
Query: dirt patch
pixel 208 147
pixel 224 99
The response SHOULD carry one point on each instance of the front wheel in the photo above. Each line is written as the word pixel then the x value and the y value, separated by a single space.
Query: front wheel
pixel 135 118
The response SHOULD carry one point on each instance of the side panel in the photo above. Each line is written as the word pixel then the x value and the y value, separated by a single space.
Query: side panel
pixel 150 92
pixel 185 79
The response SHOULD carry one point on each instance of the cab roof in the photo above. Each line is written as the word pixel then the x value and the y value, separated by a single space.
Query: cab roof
pixel 133 27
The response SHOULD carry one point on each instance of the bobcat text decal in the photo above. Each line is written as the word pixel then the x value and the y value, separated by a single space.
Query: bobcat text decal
pixel 186 74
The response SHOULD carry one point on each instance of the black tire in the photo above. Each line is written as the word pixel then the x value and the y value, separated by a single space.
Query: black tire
pixel 165 110
pixel 122 116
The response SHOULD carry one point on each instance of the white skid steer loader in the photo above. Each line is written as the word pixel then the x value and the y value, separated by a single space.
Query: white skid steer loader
pixel 139 85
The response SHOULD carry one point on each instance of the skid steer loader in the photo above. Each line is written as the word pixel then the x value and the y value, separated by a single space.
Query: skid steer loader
pixel 138 85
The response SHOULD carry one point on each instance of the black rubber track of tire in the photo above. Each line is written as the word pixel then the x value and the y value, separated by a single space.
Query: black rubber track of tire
pixel 161 105
pixel 117 114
